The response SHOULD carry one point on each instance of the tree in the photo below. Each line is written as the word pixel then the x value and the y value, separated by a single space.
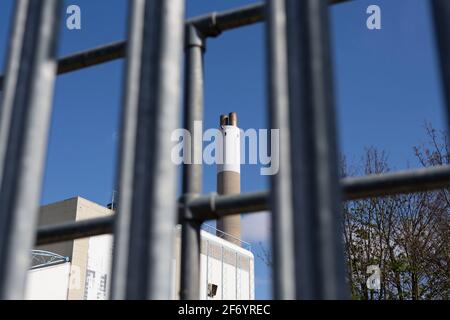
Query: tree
pixel 407 236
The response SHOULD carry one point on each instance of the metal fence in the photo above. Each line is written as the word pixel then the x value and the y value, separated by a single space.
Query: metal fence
pixel 308 263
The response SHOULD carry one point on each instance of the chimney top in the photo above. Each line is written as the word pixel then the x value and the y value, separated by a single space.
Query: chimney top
pixel 223 120
pixel 232 119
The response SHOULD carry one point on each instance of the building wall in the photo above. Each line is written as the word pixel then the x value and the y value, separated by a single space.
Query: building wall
pixel 223 264
pixel 55 213
pixel 98 269
pixel 50 283
pixel 76 209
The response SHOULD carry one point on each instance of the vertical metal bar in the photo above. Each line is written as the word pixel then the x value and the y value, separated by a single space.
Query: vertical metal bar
pixel 190 256
pixel 145 225
pixel 281 184
pixel 441 10
pixel 192 173
pixel 25 118
pixel 319 256
pixel 12 72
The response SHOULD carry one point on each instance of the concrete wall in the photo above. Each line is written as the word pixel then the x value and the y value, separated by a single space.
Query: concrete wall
pixel 224 264
pixel 228 266
pixel 50 283
pixel 75 209
pixel 55 213
pixel 98 270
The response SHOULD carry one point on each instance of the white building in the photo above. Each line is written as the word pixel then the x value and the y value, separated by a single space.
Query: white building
pixel 81 269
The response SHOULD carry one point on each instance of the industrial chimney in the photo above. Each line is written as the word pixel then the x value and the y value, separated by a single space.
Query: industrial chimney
pixel 229 175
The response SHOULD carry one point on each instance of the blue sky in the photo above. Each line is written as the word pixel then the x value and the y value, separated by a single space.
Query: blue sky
pixel 386 81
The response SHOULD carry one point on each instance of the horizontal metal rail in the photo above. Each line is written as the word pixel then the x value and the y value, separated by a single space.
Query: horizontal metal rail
pixel 211 25
pixel 74 230
pixel 402 182
pixel 92 57
pixel 213 206
pixel 89 58
pixel 214 23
